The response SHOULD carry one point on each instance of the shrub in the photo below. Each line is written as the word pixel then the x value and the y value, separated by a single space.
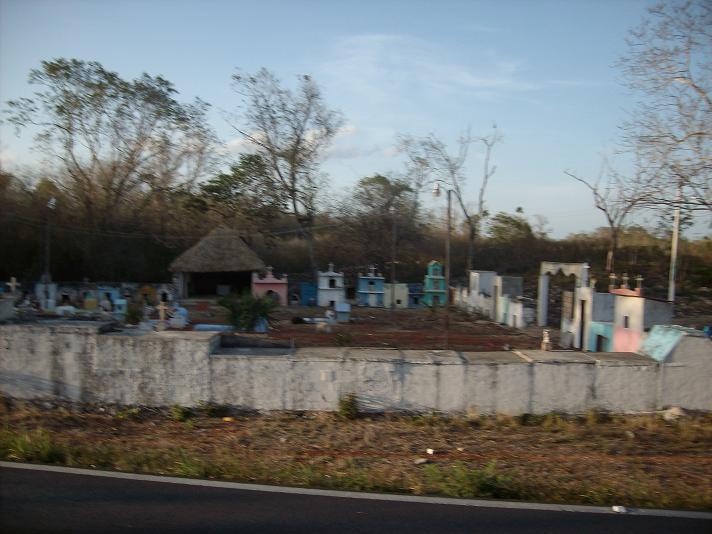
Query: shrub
pixel 134 314
pixel 246 310
pixel 180 413
pixel 348 406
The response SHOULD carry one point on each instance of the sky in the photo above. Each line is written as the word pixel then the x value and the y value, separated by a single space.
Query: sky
pixel 542 71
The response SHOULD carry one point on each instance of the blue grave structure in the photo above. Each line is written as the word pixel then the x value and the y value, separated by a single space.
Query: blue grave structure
pixel 370 289
pixel 435 293
pixel 308 293
pixel 415 295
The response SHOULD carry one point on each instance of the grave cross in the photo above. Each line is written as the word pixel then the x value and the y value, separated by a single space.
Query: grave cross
pixel 161 315
pixel 13 284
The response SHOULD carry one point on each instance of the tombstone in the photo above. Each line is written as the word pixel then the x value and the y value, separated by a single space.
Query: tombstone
pixel 343 312
pixel 120 308
pixel 7 301
pixel 65 310
pixel 46 295
pixel 308 292
pixel 166 293
pixel 12 285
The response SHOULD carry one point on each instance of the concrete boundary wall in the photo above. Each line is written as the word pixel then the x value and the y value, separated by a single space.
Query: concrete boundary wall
pixel 84 362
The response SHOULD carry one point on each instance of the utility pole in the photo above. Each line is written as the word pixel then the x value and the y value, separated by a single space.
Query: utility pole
pixel 673 246
pixel 393 260
pixel 46 276
pixel 447 270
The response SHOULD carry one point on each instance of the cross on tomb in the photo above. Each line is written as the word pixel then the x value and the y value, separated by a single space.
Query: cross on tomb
pixel 13 284
pixel 162 311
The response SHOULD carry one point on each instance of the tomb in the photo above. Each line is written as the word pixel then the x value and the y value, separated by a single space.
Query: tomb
pixel 498 298
pixel 270 286
pixel 415 295
pixel 370 289
pixel 331 289
pixel 434 292
pixel 46 294
pixel 307 292
pixel 396 294
pixel 219 261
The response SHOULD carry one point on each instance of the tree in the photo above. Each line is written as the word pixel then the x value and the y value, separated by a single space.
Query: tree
pixel 616 197
pixel 669 61
pixel 379 220
pixel 510 227
pixel 290 131
pixel 245 196
pixel 431 154
pixel 119 144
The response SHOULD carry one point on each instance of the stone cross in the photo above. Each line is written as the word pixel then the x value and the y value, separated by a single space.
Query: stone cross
pixel 13 284
pixel 161 315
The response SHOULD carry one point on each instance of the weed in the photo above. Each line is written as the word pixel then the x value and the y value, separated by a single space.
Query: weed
pixel 343 339
pixel 597 417
pixel 132 412
pixel 212 409
pixel 461 481
pixel 34 446
pixel 180 413
pixel 348 406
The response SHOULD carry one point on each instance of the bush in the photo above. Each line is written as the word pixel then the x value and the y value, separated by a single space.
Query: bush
pixel 348 406
pixel 180 414
pixel 246 310
pixel 134 314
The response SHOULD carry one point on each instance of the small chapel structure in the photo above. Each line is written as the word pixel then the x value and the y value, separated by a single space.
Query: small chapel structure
pixel 220 263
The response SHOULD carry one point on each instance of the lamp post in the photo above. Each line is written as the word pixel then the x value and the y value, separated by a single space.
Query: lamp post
pixel 436 193
pixel 51 205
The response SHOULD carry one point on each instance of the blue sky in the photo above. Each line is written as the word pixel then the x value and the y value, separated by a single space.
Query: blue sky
pixel 543 71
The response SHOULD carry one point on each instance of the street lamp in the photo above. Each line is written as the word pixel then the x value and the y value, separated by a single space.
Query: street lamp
pixel 436 193
pixel 51 205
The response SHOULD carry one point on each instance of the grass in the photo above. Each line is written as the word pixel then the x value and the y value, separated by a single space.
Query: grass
pixel 590 459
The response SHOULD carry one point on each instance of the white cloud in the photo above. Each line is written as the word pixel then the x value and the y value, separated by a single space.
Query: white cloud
pixel 380 66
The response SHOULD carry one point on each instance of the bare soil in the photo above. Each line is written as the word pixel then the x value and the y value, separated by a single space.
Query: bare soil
pixel 378 327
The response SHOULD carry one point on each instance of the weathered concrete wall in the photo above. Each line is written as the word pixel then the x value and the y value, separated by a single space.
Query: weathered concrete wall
pixel 80 362
pixel 76 361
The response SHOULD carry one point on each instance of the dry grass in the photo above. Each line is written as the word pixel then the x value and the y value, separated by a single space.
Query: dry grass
pixel 593 459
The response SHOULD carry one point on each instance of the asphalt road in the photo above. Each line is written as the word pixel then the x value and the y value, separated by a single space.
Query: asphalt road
pixel 41 501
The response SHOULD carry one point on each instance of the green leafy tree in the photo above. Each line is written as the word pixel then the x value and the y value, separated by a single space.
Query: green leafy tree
pixel 510 227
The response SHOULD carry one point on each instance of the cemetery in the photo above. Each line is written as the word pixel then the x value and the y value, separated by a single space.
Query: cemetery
pixel 394 345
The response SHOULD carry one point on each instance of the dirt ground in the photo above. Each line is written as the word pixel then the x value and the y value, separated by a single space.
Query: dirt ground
pixel 378 327
pixel 594 459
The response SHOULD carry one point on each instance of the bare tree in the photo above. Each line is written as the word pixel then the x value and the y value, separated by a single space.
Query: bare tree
pixel 669 61
pixel 431 155
pixel 616 198
pixel 290 130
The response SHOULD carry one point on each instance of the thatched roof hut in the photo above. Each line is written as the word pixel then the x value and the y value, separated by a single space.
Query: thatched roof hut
pixel 219 263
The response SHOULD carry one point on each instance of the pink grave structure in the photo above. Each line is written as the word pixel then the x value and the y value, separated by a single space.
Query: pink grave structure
pixel 270 286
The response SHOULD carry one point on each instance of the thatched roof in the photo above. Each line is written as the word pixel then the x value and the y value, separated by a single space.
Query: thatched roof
pixel 222 250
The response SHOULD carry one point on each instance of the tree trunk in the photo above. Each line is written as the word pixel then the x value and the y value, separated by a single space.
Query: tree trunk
pixel 612 247
pixel 471 247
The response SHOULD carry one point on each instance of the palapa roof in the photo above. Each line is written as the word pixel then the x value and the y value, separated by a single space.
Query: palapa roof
pixel 222 250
